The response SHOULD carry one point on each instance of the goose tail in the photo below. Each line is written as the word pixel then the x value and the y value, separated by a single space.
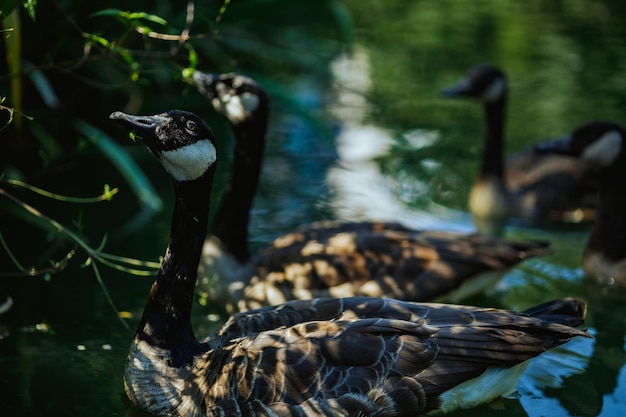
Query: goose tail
pixel 567 311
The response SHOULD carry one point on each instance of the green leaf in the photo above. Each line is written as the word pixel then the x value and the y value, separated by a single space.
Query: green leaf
pixel 193 56
pixel 131 15
pixel 30 5
pixel 107 12
pixel 97 39
pixel 145 16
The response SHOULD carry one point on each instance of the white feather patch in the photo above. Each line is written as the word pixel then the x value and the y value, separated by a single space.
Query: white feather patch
pixel 234 109
pixel 604 150
pixel 239 107
pixel 189 162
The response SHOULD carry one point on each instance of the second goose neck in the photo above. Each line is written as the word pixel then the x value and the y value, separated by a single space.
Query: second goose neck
pixel 233 215
pixel 493 149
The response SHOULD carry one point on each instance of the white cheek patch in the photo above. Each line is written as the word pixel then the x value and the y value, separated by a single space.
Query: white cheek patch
pixel 495 90
pixel 605 150
pixel 234 109
pixel 239 107
pixel 189 162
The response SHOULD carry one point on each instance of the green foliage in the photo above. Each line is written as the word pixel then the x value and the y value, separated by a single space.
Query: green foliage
pixel 70 64
pixel 132 16
pixel 26 211
pixel 30 6
pixel 6 7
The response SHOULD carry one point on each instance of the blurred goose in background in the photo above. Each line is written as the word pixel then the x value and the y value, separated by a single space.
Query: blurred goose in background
pixel 331 259
pixel 602 144
pixel 526 185
pixel 326 357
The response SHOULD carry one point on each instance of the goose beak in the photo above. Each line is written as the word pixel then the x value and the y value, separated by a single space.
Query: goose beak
pixel 205 83
pixel 461 89
pixel 139 126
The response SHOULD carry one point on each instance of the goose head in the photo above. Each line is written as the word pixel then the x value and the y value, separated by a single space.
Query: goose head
pixel 485 83
pixel 180 140
pixel 238 97
pixel 600 143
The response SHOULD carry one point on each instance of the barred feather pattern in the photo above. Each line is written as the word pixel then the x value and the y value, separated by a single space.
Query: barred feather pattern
pixel 336 357
pixel 376 259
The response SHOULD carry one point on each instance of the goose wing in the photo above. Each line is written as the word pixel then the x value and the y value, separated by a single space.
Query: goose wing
pixel 463 257
pixel 551 186
pixel 386 355
pixel 334 259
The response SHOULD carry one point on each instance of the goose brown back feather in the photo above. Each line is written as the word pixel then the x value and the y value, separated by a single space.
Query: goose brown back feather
pixel 378 260
pixel 337 357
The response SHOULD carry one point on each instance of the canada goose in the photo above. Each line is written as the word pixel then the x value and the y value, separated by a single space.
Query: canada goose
pixel 326 357
pixel 602 144
pixel 332 259
pixel 527 185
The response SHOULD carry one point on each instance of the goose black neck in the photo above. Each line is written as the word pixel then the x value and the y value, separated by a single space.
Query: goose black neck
pixel 493 150
pixel 166 321
pixel 609 231
pixel 230 225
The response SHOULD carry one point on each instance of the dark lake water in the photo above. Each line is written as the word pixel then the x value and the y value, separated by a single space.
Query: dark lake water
pixel 398 150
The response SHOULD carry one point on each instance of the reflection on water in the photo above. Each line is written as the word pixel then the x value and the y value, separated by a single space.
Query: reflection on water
pixel 402 153
pixel 599 390
pixel 359 190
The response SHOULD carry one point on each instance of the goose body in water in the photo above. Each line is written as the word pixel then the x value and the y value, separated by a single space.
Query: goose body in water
pixel 602 144
pixel 323 357
pixel 527 185
pixel 332 258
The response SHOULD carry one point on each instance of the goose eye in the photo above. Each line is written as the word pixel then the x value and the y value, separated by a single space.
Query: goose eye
pixel 190 126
